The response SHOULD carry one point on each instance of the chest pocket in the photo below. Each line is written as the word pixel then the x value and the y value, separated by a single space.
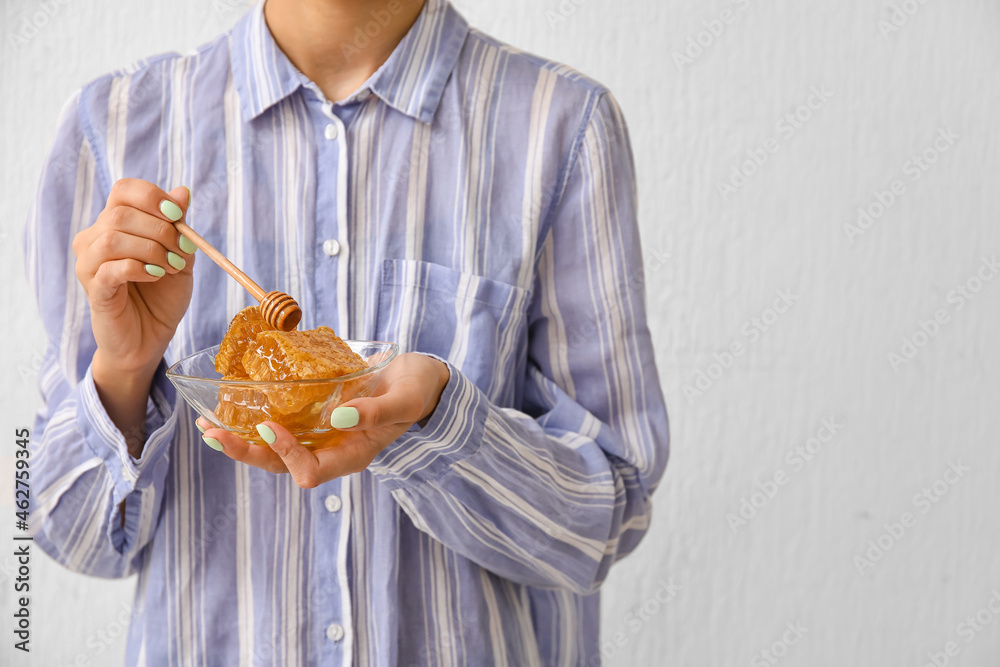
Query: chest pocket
pixel 476 323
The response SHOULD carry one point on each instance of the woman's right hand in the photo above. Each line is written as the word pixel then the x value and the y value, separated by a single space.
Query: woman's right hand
pixel 137 276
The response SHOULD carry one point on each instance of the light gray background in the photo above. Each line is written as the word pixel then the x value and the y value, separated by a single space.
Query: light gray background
pixel 714 263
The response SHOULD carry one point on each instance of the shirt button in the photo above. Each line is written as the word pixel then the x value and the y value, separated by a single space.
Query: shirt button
pixel 331 132
pixel 363 95
pixel 331 247
pixel 335 632
pixel 332 503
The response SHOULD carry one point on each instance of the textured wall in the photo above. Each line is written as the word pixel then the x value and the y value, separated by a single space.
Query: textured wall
pixel 774 312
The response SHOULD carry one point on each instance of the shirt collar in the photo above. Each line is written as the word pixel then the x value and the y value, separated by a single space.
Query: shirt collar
pixel 411 80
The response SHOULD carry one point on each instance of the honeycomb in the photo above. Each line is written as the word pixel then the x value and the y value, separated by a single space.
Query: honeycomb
pixel 239 336
pixel 254 350
pixel 241 408
pixel 300 355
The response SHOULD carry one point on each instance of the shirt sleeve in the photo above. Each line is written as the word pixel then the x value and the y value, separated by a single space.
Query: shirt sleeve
pixel 81 470
pixel 552 494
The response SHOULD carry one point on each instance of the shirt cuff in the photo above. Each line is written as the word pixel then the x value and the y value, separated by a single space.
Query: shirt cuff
pixel 453 433
pixel 108 443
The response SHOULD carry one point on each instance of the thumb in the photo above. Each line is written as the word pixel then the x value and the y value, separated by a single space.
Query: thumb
pixel 393 407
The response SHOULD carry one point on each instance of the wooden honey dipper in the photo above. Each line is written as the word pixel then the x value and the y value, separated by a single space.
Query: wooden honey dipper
pixel 279 309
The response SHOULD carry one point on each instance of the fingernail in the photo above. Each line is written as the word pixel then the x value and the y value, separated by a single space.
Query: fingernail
pixel 198 424
pixel 212 442
pixel 176 260
pixel 189 195
pixel 266 433
pixel 186 244
pixel 154 270
pixel 171 210
pixel 344 418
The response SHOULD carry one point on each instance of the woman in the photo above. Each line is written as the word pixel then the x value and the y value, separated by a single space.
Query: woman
pixel 404 178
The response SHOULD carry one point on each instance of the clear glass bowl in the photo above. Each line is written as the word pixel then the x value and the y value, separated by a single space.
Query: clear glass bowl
pixel 302 406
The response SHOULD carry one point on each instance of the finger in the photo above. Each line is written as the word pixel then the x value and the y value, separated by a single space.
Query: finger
pixel 399 405
pixel 112 245
pixel 112 275
pixel 183 194
pixel 137 223
pixel 301 463
pixel 352 452
pixel 145 196
pixel 240 450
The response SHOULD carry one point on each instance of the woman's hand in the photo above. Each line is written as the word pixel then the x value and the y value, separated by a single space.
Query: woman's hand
pixel 408 392
pixel 137 275
pixel 136 271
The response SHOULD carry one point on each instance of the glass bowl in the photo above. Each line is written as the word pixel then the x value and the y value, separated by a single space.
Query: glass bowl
pixel 302 406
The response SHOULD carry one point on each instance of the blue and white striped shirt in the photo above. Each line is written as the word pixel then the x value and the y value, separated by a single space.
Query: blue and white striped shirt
pixel 470 201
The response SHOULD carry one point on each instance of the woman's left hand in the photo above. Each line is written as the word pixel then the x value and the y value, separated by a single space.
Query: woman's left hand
pixel 407 392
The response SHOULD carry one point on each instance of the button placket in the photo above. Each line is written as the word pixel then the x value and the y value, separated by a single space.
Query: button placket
pixel 343 251
pixel 335 135
pixel 333 614
pixel 331 619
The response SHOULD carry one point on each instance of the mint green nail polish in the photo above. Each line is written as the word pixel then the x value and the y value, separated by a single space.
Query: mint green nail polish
pixel 344 418
pixel 171 210
pixel 266 433
pixel 213 443
pixel 154 270
pixel 176 260
pixel 199 427
pixel 186 244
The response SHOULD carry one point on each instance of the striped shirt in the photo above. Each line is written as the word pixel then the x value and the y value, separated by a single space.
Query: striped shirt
pixel 469 201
